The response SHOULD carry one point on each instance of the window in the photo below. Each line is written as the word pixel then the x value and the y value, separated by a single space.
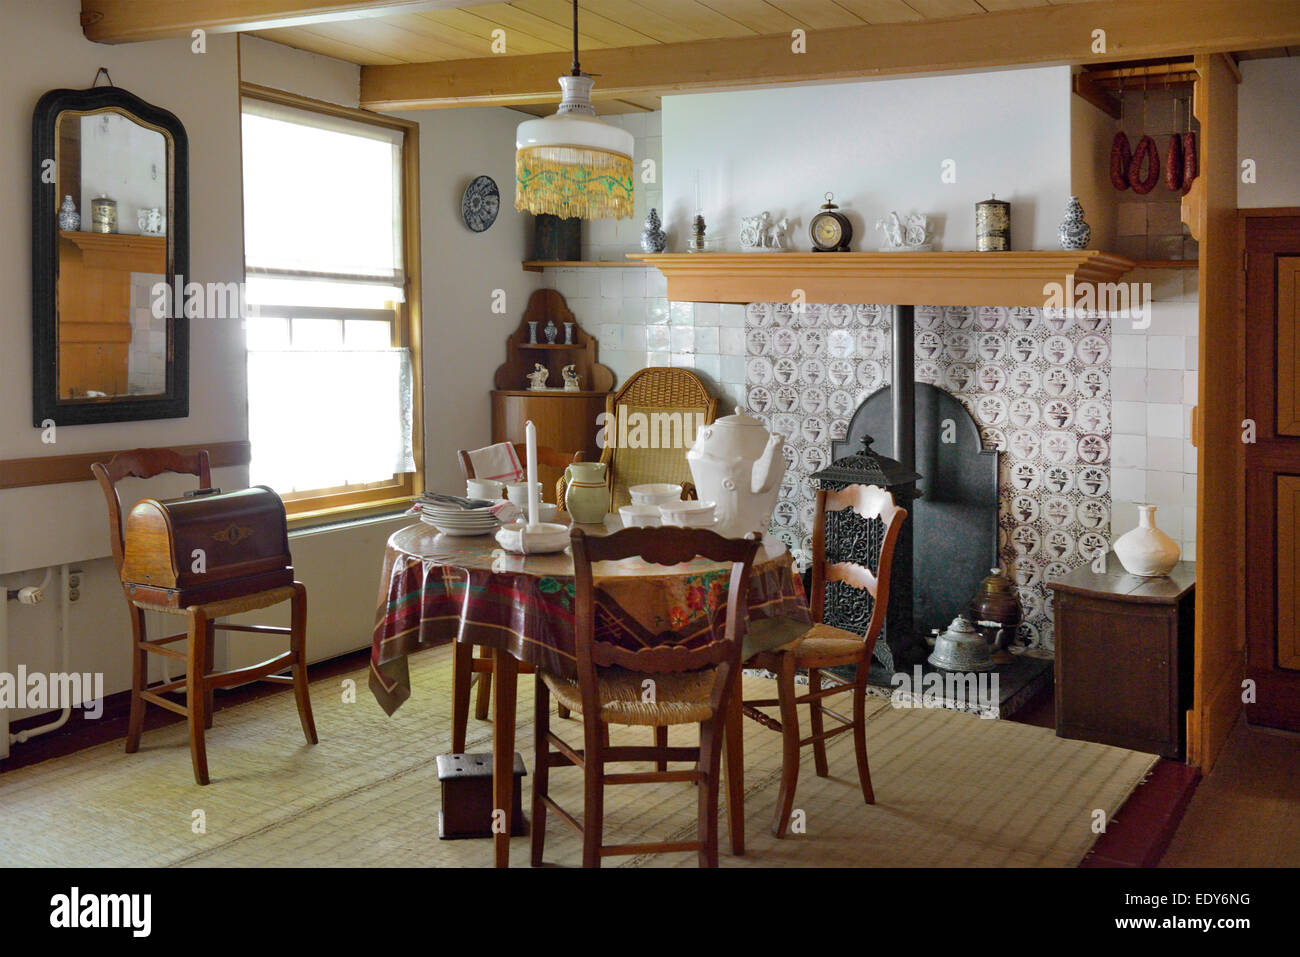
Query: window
pixel 332 277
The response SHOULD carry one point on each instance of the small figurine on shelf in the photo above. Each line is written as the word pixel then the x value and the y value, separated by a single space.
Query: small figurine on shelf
pixel 776 233
pixel 753 231
pixel 570 374
pixel 912 237
pixel 550 331
pixel 537 378
pixel 653 237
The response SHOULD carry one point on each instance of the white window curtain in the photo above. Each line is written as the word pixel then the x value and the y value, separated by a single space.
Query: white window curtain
pixel 341 416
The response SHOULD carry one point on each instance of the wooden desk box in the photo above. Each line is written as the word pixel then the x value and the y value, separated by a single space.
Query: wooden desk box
pixel 466 781
pixel 1124 649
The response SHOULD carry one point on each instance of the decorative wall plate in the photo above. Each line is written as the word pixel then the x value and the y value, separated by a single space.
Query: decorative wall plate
pixel 480 204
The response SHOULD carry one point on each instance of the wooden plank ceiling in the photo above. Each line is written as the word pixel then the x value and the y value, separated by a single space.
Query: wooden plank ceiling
pixel 544 26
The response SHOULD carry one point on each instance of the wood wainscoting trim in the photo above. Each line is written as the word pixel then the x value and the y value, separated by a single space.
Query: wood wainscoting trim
pixel 58 469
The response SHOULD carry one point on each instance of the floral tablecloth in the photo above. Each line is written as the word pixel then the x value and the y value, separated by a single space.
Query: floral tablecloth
pixel 437 588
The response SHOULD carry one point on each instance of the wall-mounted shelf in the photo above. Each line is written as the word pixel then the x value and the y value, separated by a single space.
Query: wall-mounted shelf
pixel 936 278
pixel 537 265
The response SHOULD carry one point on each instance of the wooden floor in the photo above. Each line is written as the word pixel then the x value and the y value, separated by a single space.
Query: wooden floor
pixel 1246 812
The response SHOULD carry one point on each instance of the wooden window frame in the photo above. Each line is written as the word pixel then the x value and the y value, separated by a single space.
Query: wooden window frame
pixel 319 505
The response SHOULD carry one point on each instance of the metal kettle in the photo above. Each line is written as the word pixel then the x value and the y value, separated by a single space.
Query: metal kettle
pixel 961 648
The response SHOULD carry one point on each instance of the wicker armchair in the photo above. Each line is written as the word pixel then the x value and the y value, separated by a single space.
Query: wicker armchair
pixel 670 404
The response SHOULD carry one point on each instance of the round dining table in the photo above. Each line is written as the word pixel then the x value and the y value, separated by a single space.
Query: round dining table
pixel 437 588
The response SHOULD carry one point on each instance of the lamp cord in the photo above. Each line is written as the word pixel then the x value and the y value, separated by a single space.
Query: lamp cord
pixel 577 71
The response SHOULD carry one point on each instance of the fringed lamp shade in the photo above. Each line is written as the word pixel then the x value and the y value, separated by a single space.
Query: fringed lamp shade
pixel 571 164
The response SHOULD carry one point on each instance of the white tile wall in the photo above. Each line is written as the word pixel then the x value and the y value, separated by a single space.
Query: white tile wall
pixel 628 309
pixel 1153 385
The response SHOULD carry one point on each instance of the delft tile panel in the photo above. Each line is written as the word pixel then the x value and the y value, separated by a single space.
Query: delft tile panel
pixel 1036 381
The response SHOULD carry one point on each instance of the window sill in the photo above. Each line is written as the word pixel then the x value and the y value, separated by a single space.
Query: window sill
pixel 344 515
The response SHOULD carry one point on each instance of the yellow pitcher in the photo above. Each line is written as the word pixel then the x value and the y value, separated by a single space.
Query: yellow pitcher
pixel 587 495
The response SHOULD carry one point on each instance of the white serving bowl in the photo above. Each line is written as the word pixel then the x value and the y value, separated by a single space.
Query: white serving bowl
pixel 656 493
pixel 688 514
pixel 480 488
pixel 543 537
pixel 640 516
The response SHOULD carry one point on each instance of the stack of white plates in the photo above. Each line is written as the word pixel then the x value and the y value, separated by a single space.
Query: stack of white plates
pixel 451 520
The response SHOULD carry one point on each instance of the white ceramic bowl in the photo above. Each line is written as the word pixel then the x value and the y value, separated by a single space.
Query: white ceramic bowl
pixel 656 493
pixel 543 537
pixel 640 516
pixel 688 514
pixel 480 488
pixel 517 492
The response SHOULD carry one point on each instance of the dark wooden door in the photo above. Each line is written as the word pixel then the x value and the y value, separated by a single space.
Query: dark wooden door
pixel 1273 469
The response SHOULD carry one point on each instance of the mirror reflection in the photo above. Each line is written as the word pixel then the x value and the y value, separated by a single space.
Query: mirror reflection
pixel 113 220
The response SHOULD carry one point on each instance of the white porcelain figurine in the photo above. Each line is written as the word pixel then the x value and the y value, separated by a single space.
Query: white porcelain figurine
pixel 537 378
pixel 906 236
pixel 570 374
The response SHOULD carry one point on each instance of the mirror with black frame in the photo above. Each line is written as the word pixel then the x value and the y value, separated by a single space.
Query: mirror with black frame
pixel 110 240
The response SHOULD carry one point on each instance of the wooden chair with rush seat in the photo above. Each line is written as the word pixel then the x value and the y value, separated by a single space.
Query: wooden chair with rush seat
pixel 230 598
pixel 825 646
pixel 691 686
pixel 482 665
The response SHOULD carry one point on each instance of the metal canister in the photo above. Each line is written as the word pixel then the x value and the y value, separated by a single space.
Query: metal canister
pixel 103 215
pixel 996 611
pixel 993 225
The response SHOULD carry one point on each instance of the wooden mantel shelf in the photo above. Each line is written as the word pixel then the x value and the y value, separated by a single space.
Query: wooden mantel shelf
pixel 932 279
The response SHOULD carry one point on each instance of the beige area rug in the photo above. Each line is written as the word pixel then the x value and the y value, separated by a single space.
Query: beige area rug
pixel 952 790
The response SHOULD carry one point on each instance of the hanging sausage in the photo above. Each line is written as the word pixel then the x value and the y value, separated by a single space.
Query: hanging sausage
pixel 1174 162
pixel 1147 157
pixel 1121 154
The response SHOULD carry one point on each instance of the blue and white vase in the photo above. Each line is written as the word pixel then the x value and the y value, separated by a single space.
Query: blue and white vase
pixel 653 238
pixel 69 219
pixel 1074 233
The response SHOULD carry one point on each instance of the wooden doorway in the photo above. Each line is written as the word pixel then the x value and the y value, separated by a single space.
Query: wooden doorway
pixel 1271 242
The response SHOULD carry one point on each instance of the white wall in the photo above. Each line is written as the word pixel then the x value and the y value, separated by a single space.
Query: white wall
pixel 298 71
pixel 878 146
pixel 1268 131
pixel 42 47
pixel 464 341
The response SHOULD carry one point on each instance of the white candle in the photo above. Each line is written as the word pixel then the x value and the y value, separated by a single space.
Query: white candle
pixel 534 487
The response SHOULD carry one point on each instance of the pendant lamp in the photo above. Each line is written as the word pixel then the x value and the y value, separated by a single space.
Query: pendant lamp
pixel 571 164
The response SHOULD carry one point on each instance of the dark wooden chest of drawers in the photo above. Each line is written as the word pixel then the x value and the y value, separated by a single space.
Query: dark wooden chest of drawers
pixel 1124 649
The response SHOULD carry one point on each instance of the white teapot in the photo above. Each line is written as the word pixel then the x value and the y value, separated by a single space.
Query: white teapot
pixel 738 464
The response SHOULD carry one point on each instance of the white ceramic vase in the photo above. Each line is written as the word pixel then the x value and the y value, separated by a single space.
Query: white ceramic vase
pixel 1147 551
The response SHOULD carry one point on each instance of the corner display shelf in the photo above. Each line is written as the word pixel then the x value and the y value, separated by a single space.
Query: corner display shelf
pixel 935 279
pixel 566 421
